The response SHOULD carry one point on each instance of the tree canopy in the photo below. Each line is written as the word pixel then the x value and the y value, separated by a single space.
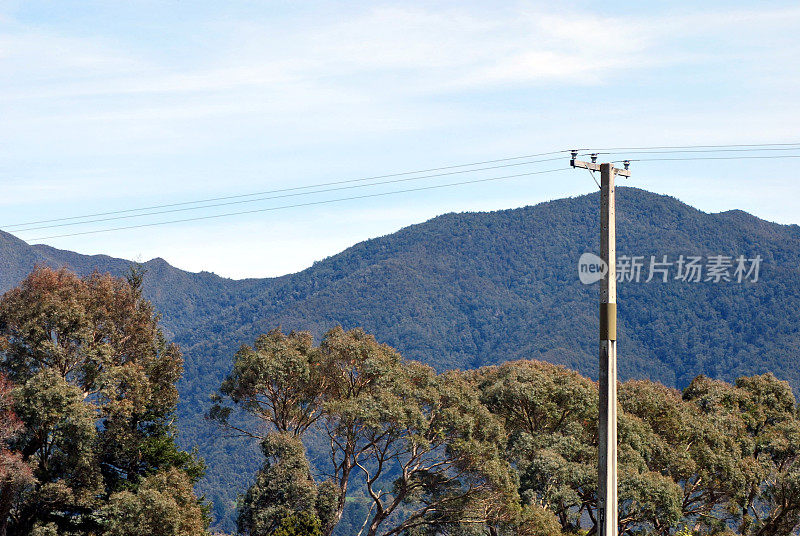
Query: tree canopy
pixel 357 440
pixel 95 396
pixel 508 449
pixel 420 445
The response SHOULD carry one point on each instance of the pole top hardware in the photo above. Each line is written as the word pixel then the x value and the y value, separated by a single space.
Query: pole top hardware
pixel 594 166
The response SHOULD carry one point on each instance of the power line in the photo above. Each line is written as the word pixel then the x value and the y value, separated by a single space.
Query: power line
pixel 744 150
pixel 294 194
pixel 310 203
pixel 689 146
pixel 711 148
pixel 299 190
pixel 280 190
pixel 710 158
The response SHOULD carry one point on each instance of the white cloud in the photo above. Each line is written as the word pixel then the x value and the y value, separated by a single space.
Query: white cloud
pixel 374 57
pixel 104 117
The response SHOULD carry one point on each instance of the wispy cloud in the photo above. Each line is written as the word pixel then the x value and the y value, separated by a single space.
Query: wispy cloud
pixel 375 56
pixel 100 115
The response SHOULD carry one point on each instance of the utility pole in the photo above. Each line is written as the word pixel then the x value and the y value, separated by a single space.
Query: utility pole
pixel 607 504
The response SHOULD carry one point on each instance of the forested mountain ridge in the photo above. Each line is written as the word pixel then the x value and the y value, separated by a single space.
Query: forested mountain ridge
pixel 466 290
pixel 180 297
pixel 463 290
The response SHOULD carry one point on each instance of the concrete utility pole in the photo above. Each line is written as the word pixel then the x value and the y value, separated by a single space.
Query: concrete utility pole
pixel 607 504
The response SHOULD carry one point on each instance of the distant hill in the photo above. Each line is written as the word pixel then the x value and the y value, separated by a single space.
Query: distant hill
pixel 182 298
pixel 465 290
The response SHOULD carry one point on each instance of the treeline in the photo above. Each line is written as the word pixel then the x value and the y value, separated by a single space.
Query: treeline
pixel 358 441
pixel 502 450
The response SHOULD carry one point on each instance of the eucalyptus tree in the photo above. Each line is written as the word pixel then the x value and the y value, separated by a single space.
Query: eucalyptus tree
pixel 95 391
pixel 550 414
pixel 421 446
pixel 15 474
pixel 762 485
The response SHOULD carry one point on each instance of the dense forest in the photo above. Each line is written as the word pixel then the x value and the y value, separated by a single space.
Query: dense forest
pixel 355 439
pixel 466 291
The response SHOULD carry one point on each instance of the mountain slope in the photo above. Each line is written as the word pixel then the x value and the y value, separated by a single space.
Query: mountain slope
pixel 182 298
pixel 464 290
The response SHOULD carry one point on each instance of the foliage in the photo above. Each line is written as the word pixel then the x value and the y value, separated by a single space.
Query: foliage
pixel 720 455
pixel 550 414
pixel 12 468
pixel 15 474
pixel 95 390
pixel 423 446
pixel 537 521
pixel 279 380
pixel 163 505
pixel 300 524
pixel 284 487
pixel 762 492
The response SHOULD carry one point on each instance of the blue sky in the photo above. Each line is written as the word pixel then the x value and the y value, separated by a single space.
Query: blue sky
pixel 112 105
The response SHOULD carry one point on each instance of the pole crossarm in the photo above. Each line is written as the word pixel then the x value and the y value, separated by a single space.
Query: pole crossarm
pixel 593 166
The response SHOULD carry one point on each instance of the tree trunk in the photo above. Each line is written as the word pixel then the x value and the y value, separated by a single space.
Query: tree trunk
pixel 340 503
pixel 373 527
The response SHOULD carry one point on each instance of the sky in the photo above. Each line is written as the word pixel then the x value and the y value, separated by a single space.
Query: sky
pixel 115 105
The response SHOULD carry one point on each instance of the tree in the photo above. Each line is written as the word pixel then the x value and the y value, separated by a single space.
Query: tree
pixel 59 441
pixel 283 487
pixel 536 520
pixel 95 390
pixel 550 414
pixel 762 487
pixel 383 414
pixel 422 446
pixel 674 438
pixel 279 380
pixel 14 473
pixel 163 505
pixel 302 524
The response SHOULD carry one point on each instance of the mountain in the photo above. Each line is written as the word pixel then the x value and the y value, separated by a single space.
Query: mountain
pixel 180 297
pixel 470 289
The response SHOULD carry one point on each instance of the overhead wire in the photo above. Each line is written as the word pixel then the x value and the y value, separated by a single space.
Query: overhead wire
pixel 408 176
pixel 741 157
pixel 310 203
pixel 679 149
pixel 694 151
pixel 731 145
pixel 289 189
pixel 284 195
